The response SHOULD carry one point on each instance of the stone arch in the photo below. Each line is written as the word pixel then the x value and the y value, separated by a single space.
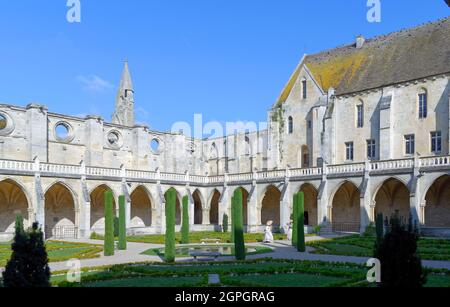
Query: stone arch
pixel 198 207
pixel 214 208
pixel 141 208
pixel 311 206
pixel 437 203
pixel 98 206
pixel 60 212
pixel 270 206
pixel 393 195
pixel 345 214
pixel 13 201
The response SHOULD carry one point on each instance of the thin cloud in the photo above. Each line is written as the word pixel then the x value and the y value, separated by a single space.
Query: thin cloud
pixel 94 83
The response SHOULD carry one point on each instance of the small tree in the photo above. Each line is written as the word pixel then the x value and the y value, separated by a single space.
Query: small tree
pixel 109 225
pixel 238 224
pixel 14 274
pixel 232 219
pixel 225 223
pixel 185 223
pixel 169 252
pixel 122 224
pixel 295 221
pixel 397 252
pixel 301 222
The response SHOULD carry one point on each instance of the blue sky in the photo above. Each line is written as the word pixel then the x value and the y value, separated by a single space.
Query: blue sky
pixel 226 59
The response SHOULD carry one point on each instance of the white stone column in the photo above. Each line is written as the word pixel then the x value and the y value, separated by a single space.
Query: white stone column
pixel 252 212
pixel 38 196
pixel 286 208
pixel 205 216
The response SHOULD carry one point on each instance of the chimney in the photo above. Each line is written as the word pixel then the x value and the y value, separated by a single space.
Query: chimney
pixel 360 40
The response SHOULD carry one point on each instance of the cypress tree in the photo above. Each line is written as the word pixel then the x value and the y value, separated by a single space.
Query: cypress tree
pixel 239 244
pixel 171 198
pixel 295 221
pixel 232 218
pixel 379 226
pixel 301 222
pixel 185 222
pixel 14 274
pixel 225 223
pixel 109 225
pixel 122 224
pixel 38 270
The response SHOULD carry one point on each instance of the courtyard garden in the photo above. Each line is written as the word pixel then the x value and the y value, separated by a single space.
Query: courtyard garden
pixel 363 246
pixel 253 273
pixel 58 251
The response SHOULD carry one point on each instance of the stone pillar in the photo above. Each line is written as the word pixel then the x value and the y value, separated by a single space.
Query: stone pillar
pixel 37 132
pixel 38 196
pixel 94 141
pixel 365 200
pixel 286 207
pixel 416 196
pixel 205 216
pixel 161 209
pixel 84 221
pixel 323 209
pixel 191 209
pixel 253 216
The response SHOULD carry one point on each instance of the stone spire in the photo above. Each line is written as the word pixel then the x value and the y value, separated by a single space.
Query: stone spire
pixel 124 112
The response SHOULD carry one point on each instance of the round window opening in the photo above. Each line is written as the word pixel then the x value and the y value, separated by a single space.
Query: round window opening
pixel 62 131
pixel 113 138
pixel 155 145
pixel 3 122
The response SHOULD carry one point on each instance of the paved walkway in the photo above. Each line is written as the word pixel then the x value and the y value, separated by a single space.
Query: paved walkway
pixel 282 250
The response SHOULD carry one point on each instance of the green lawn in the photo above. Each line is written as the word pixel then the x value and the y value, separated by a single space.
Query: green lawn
pixel 429 249
pixel 196 237
pixel 58 251
pixel 252 273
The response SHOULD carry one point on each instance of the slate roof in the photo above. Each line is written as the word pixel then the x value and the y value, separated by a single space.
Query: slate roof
pixel 398 57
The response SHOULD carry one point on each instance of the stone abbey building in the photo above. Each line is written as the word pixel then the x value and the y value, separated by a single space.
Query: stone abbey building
pixel 360 129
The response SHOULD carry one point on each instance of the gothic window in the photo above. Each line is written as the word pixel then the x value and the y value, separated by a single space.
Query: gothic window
pixel 113 138
pixel 154 145
pixel 63 132
pixel 371 149
pixel 360 115
pixel 349 153
pixel 290 125
pixel 304 89
pixel 423 104
pixel 436 142
pixel 213 153
pixel 410 144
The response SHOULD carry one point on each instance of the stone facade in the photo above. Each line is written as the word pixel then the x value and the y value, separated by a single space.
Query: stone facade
pixel 337 133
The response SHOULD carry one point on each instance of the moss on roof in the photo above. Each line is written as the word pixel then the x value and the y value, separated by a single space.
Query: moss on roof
pixel 402 56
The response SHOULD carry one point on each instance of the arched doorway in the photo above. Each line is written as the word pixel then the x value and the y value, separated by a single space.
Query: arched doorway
pixel 270 206
pixel 311 214
pixel 198 208
pixel 214 210
pixel 437 210
pixel 60 213
pixel 13 201
pixel 346 209
pixel 141 208
pixel 98 207
pixel 393 196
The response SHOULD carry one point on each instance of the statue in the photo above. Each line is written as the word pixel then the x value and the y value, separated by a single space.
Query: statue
pixel 268 236
pixel 289 230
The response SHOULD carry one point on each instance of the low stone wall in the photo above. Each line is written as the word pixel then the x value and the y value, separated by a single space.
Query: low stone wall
pixel 435 232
